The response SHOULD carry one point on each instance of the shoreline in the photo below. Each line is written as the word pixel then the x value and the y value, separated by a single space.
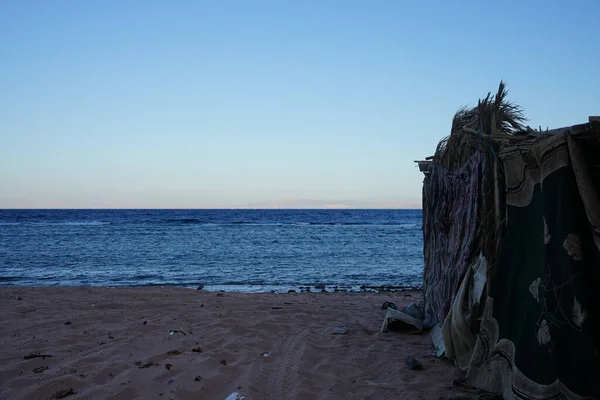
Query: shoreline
pixel 251 288
pixel 204 344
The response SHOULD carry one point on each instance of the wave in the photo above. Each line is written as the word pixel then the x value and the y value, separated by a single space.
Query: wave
pixel 373 224
pixel 69 223
pixel 137 278
pixel 338 223
pixel 12 278
pixel 181 221
pixel 196 221
pixel 190 221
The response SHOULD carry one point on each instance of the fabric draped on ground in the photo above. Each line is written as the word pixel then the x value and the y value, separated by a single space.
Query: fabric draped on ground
pixel 539 334
pixel 458 330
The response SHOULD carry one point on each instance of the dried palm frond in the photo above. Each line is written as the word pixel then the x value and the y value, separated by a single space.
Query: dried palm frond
pixel 493 114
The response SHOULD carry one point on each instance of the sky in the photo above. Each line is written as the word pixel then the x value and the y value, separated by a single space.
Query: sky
pixel 259 104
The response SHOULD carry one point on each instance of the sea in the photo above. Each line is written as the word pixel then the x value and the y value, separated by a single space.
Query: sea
pixel 230 250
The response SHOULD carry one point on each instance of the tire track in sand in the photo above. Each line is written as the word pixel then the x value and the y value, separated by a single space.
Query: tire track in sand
pixel 282 374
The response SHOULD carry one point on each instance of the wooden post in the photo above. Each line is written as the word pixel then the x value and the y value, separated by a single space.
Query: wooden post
pixel 493 264
pixel 497 207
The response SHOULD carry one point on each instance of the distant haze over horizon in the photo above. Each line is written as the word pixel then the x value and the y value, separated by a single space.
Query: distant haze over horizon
pixel 267 104
pixel 267 205
pixel 215 208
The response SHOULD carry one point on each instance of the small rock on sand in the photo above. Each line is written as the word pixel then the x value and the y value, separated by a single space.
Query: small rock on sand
pixel 413 364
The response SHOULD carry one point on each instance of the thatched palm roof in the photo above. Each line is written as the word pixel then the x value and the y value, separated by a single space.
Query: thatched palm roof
pixel 494 114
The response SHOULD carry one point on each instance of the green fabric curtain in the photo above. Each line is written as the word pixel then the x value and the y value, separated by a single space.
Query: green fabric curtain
pixel 540 336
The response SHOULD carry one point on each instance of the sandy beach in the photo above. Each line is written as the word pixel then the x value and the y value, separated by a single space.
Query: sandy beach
pixel 175 343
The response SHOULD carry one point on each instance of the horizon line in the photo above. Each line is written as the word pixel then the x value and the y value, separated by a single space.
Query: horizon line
pixel 211 208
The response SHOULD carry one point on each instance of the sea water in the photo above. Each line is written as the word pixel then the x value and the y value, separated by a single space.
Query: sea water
pixel 233 250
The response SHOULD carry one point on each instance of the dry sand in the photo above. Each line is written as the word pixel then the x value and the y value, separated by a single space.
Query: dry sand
pixel 175 343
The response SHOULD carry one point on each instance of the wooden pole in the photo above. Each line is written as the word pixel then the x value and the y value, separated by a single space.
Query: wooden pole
pixel 492 264
pixel 495 135
pixel 497 206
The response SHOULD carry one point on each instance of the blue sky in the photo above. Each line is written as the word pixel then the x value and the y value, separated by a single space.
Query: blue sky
pixel 195 104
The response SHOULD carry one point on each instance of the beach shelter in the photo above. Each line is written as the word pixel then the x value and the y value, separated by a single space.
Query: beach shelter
pixel 511 228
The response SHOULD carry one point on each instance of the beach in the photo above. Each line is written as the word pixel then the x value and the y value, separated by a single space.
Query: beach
pixel 176 343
